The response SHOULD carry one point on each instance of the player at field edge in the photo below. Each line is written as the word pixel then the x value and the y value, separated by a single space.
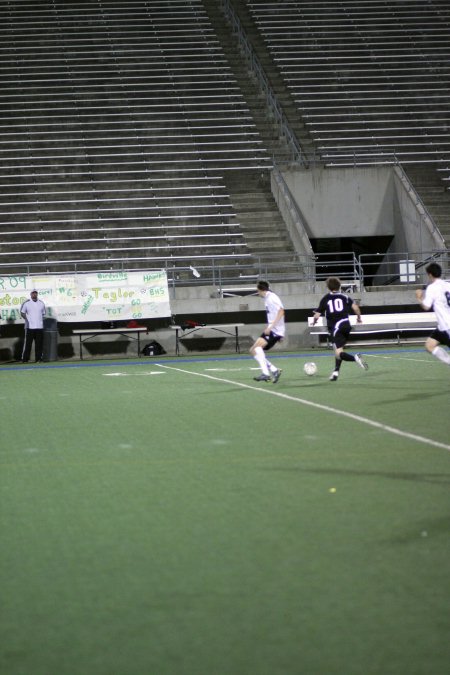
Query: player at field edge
pixel 336 307
pixel 436 297
pixel 274 332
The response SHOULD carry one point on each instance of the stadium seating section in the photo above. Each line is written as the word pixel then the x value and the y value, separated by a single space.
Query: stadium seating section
pixel 124 125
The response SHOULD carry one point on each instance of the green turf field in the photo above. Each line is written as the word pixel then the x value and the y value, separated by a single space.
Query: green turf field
pixel 182 519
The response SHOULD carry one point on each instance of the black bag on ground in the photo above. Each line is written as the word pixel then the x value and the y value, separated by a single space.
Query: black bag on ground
pixel 153 349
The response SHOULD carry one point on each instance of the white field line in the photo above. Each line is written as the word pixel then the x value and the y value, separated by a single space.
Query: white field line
pixel 319 406
pixel 431 360
pixel 148 372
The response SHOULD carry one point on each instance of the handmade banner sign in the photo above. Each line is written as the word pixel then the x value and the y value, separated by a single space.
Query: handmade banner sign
pixel 103 296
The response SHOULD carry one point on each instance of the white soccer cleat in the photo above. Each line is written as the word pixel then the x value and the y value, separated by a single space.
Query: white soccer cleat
pixel 360 362
pixel 276 376
pixel 334 376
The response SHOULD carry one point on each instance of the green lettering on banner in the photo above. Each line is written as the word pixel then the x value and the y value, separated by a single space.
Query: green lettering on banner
pixel 113 276
pixel 87 304
pixel 66 291
pixel 10 314
pixel 9 300
pixel 151 277
pixel 157 290
pixel 100 295
pixel 13 282
pixel 113 295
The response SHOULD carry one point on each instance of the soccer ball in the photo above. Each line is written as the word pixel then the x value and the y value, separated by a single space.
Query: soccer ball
pixel 310 368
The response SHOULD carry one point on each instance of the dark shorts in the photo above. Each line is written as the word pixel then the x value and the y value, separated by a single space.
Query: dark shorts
pixel 340 337
pixel 441 336
pixel 271 340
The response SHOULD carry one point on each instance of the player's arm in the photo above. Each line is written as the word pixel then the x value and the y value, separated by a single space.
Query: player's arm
pixel 357 310
pixel 320 310
pixel 316 316
pixel 421 298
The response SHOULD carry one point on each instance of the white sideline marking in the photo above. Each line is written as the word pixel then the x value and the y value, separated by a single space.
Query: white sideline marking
pixel 228 370
pixel 149 372
pixel 320 406
pixel 401 358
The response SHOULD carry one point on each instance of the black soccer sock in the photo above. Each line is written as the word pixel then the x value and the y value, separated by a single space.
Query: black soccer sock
pixel 347 357
pixel 337 364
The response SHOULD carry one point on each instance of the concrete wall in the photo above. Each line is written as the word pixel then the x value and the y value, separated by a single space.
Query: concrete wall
pixel 363 202
pixel 345 202
pixel 419 232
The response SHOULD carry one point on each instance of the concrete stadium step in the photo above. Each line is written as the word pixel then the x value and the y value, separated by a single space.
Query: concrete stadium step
pixel 258 214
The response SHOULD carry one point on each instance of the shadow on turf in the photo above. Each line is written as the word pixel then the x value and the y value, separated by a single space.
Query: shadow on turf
pixel 437 478
pixel 419 396
pixel 426 529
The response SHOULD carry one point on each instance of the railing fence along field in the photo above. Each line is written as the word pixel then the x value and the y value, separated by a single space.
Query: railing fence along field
pixel 399 270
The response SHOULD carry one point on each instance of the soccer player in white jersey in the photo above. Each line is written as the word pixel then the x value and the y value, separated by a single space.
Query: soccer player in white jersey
pixel 33 312
pixel 436 297
pixel 273 333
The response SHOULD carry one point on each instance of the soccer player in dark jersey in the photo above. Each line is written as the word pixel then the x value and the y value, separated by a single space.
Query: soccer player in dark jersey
pixel 336 306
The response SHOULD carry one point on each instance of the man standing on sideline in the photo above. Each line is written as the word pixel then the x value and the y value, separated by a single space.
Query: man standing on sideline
pixel 33 312
pixel 273 333
pixel 436 297
pixel 337 306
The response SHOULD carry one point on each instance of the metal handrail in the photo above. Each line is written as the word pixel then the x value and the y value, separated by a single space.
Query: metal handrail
pixel 420 206
pixel 405 269
pixel 258 70
pixel 247 269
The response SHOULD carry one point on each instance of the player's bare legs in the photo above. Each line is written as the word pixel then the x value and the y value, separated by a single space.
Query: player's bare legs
pixel 341 355
pixel 257 351
pixel 433 347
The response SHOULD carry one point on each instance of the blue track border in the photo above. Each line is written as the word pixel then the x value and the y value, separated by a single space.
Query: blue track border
pixel 145 361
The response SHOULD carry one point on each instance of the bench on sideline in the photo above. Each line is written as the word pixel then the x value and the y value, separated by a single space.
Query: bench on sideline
pixel 236 291
pixel 382 324
pixel 85 334
pixel 231 329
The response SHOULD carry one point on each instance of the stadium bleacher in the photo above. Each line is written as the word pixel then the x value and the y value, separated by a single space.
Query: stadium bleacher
pixel 118 124
pixel 122 123
pixel 370 78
